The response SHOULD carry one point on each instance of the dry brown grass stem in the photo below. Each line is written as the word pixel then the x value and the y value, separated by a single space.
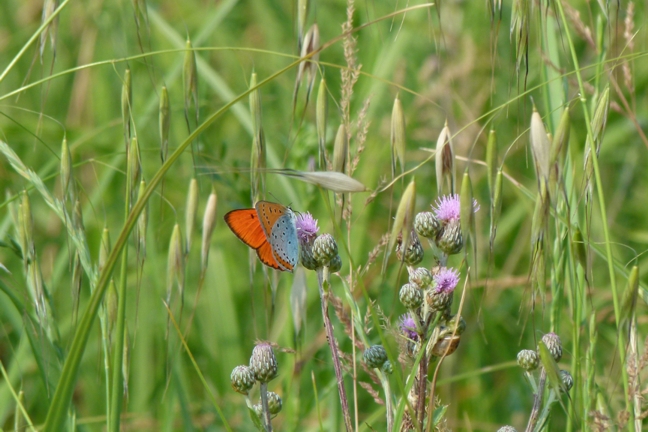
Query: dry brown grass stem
pixel 361 134
pixel 628 36
pixel 579 27
pixel 373 392
pixel 345 319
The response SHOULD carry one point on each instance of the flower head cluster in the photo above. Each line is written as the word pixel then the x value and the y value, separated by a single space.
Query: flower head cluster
pixel 408 327
pixel 316 251
pixel 448 208
pixel 446 280
pixel 306 227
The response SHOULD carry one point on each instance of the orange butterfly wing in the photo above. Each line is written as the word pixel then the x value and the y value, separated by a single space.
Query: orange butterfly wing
pixel 247 227
pixel 267 257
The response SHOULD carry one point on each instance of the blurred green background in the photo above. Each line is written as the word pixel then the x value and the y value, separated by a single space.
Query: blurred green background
pixel 452 62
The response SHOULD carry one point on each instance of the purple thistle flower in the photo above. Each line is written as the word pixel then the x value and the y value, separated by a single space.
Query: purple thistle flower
pixel 448 207
pixel 306 227
pixel 408 327
pixel 446 280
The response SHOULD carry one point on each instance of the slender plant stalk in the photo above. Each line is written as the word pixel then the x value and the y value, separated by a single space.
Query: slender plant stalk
pixel 330 337
pixel 266 410
pixel 537 401
pixel 117 385
pixel 604 223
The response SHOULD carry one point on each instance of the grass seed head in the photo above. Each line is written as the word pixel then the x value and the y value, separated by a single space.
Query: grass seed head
pixel 190 81
pixel 209 222
pixel 164 121
pixel 104 249
pixel 321 117
pixel 134 164
pixel 599 119
pixel 340 150
pixel 403 221
pixel 492 161
pixel 26 229
pixel 540 147
pixel 126 105
pixel 175 263
pixel 66 169
pixel 444 161
pixel 190 212
pixel 398 136
pixel 142 221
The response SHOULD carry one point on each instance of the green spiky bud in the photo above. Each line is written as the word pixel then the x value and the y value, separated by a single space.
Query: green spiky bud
pixel 553 343
pixel 306 256
pixel 411 296
pixel 324 249
pixel 567 379
pixel 336 264
pixel 421 277
pixel 242 379
pixel 414 253
pixel 438 300
pixel 375 356
pixel 528 360
pixel 263 362
pixel 427 225
pixel 274 403
pixel 450 239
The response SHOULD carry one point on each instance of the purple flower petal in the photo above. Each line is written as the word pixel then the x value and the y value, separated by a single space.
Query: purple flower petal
pixel 306 227
pixel 446 280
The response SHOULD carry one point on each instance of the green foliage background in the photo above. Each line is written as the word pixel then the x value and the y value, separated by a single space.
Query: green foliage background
pixel 450 62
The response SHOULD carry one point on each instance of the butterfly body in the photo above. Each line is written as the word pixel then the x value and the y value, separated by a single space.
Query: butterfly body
pixel 270 229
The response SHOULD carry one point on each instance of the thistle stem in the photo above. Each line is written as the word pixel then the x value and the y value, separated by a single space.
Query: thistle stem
pixel 333 345
pixel 537 401
pixel 264 404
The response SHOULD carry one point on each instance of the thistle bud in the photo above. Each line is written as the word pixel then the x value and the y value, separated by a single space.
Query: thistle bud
pixel 274 403
pixel 554 345
pixel 427 225
pixel 242 379
pixel 263 362
pixel 528 360
pixel 375 356
pixel 411 296
pixel 421 277
pixel 414 253
pixel 567 379
pixel 306 257
pixel 450 239
pixel 438 300
pixel 324 249
pixel 507 429
pixel 335 265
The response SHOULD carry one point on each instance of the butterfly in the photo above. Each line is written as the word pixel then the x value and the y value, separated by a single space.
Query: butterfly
pixel 270 229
